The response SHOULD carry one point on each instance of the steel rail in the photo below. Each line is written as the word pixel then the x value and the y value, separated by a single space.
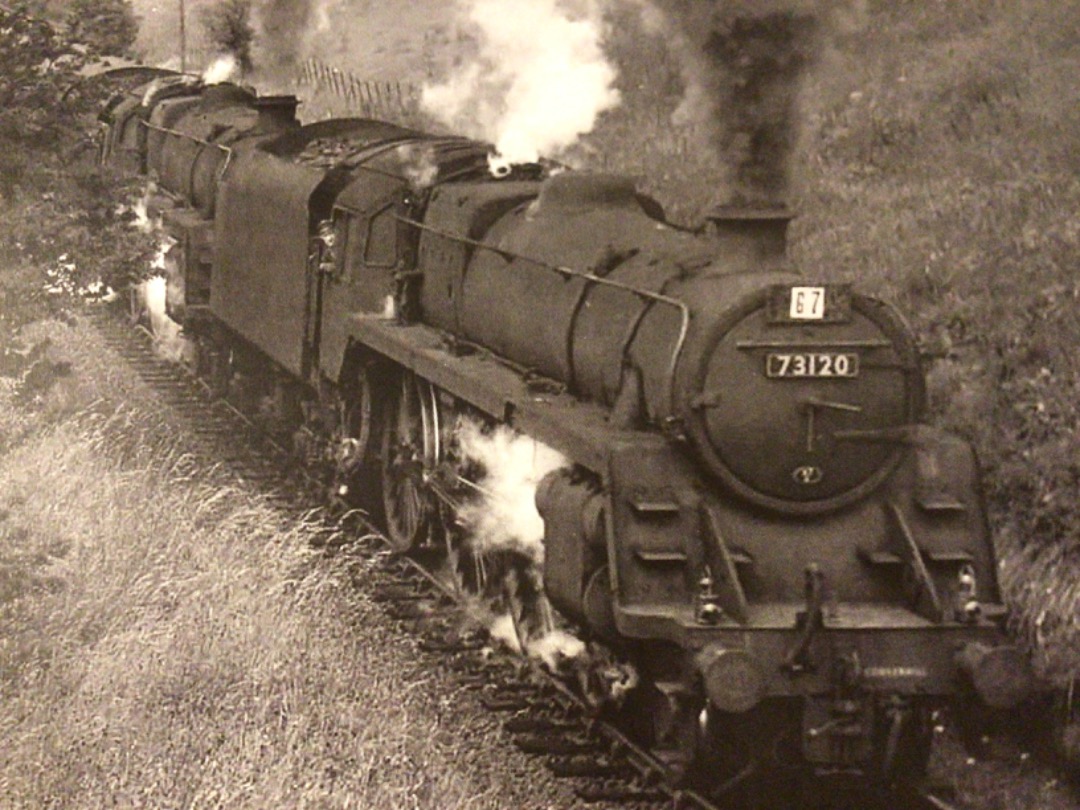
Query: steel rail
pixel 648 766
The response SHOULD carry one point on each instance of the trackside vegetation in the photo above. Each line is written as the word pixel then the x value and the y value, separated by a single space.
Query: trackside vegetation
pixel 168 638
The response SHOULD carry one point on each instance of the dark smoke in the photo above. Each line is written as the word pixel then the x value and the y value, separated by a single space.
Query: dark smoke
pixel 228 30
pixel 283 28
pixel 759 63
pixel 743 63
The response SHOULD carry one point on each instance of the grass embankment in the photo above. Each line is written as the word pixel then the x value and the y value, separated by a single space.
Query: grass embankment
pixel 168 639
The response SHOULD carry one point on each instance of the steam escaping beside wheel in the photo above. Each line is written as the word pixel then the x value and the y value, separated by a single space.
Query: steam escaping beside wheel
pixel 151 300
pixel 510 476
pixel 504 516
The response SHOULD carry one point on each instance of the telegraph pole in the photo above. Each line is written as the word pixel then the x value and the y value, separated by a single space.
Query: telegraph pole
pixel 183 39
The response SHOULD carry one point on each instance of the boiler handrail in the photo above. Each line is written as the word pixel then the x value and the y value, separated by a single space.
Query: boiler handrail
pixel 592 278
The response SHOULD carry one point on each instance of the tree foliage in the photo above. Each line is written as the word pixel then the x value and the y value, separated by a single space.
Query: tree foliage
pixel 57 211
pixel 106 27
pixel 37 66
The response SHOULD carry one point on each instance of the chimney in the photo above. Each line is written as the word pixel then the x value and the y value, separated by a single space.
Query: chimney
pixel 758 234
pixel 277 112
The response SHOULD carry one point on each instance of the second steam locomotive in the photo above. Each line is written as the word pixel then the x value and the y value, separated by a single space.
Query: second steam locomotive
pixel 751 510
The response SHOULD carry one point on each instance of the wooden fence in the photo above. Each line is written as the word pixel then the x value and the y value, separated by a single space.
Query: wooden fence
pixel 391 100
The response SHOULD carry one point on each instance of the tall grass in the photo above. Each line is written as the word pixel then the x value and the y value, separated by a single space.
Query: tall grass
pixel 169 639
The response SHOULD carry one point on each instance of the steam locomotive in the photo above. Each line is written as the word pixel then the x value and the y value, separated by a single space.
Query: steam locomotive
pixel 751 510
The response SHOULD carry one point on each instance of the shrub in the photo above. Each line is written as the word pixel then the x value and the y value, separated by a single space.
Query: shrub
pixel 106 27
pixel 60 213
pixel 36 65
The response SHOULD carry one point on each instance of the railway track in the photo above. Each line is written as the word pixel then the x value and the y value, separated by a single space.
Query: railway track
pixel 542 715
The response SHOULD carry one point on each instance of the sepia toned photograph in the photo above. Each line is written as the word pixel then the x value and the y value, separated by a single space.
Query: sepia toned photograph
pixel 540 404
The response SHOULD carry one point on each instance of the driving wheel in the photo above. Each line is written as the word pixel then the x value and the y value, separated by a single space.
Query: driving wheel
pixel 411 450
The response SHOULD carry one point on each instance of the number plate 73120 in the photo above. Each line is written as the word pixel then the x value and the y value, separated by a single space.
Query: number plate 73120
pixel 801 365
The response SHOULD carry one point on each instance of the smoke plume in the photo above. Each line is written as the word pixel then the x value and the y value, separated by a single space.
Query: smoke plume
pixel 282 28
pixel 223 69
pixel 539 79
pixel 743 63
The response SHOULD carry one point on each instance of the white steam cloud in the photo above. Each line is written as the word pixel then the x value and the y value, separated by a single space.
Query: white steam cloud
pixel 151 293
pixel 148 297
pixel 539 81
pixel 419 164
pixel 222 69
pixel 505 516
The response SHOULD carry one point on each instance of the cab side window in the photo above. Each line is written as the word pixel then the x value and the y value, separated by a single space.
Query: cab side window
pixel 380 247
pixel 352 230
